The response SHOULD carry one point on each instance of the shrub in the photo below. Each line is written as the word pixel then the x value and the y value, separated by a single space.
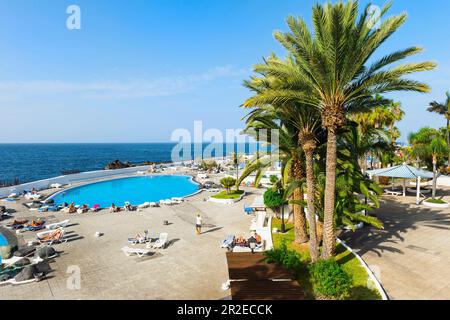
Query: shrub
pixel 273 179
pixel 437 201
pixel 227 183
pixel 273 199
pixel 284 257
pixel 330 280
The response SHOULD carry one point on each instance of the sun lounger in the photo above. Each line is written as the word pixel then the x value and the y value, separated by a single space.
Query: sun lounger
pixel 177 200
pixel 228 242
pixel 161 242
pixel 144 205
pixel 393 193
pixel 153 204
pixel 57 225
pixel 166 202
pixel 139 238
pixel 95 208
pixel 52 236
pixel 34 228
pixel 31 196
pixel 248 210
pixel 139 252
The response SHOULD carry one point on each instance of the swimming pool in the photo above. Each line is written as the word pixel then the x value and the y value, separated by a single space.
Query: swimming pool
pixel 135 190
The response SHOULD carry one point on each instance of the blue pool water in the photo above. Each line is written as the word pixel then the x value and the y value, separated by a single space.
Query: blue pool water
pixel 135 190
pixel 3 241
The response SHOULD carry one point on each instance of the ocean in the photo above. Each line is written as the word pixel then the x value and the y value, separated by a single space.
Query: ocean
pixel 31 162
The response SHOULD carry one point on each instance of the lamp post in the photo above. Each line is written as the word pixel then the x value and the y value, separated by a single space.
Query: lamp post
pixel 283 227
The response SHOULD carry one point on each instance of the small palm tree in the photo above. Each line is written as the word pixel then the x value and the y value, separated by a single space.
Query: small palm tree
pixel 227 183
pixel 444 110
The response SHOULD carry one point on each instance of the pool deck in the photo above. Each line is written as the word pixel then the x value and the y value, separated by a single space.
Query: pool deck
pixel 191 267
pixel 412 254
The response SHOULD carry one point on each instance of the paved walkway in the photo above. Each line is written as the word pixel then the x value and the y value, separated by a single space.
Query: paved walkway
pixel 192 267
pixel 411 256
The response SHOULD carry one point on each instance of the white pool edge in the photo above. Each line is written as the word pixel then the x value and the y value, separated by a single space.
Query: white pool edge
pixel 132 176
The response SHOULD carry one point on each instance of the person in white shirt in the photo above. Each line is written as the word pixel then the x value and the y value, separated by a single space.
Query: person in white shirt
pixel 198 224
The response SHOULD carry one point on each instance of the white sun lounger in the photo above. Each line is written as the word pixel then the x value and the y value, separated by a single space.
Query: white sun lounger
pixel 161 242
pixel 35 260
pixel 177 200
pixel 31 196
pixel 139 252
pixel 57 225
pixel 144 205
pixel 61 239
pixel 15 283
pixel 153 204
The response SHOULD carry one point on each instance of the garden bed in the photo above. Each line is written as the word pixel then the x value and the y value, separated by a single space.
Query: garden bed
pixel 223 197
pixel 436 203
pixel 348 261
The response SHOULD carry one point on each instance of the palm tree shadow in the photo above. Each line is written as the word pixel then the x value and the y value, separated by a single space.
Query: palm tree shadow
pixel 398 216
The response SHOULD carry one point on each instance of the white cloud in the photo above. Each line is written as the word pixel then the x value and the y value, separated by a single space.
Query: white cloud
pixel 115 89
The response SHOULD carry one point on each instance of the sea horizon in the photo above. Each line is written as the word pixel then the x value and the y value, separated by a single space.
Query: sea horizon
pixel 27 162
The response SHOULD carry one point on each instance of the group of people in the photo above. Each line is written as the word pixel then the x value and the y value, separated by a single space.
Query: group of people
pixel 126 207
pixel 243 242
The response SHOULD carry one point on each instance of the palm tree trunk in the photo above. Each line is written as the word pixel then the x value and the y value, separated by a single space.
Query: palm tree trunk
pixel 329 238
pixel 448 140
pixel 301 236
pixel 313 244
pixel 433 194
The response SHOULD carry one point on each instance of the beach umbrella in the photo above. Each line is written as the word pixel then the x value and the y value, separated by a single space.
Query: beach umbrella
pixel 404 172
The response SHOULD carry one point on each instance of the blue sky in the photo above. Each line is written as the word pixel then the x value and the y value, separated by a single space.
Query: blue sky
pixel 139 69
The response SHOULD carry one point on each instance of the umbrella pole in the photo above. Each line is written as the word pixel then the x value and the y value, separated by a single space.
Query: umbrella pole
pixel 404 187
pixel 418 191
pixel 392 183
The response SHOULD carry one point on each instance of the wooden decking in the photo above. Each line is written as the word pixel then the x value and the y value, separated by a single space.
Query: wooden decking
pixel 253 279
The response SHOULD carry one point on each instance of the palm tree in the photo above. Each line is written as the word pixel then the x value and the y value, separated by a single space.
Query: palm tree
pixel 438 148
pixel 307 121
pixel 443 109
pixel 332 74
pixel 227 183
pixel 267 117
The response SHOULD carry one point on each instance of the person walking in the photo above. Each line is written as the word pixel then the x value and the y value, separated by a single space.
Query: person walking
pixel 198 224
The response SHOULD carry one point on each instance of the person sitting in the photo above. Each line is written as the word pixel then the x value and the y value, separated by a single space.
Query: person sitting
pixel 241 241
pixel 255 236
pixel 33 191
pixel 72 208
pixel 128 207
pixel 36 223
pixel 84 208
pixel 112 208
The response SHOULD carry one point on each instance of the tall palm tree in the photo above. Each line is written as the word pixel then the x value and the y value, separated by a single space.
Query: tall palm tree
pixel 307 121
pixel 333 74
pixel 269 118
pixel 444 110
